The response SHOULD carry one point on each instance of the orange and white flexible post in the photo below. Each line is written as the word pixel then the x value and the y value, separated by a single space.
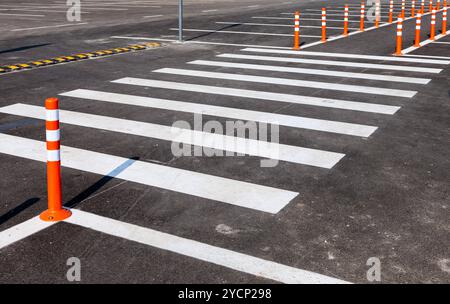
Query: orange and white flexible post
pixel 433 24
pixel 413 8
pixel 418 25
pixel 346 20
pixel 297 31
pixel 55 211
pixel 444 21
pixel 422 7
pixel 391 10
pixel 398 49
pixel 430 7
pixel 403 8
pixel 324 24
pixel 361 22
pixel 377 14
pixel 438 4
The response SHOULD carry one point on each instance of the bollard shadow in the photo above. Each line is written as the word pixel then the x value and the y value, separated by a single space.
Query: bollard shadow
pixel 23 48
pixel 213 32
pixel 100 183
pixel 15 211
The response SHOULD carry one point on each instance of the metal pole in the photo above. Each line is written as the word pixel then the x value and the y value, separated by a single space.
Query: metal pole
pixel 180 21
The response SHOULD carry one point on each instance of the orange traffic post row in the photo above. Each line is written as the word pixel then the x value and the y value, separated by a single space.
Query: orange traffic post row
pixel 324 25
pixel 361 22
pixel 391 10
pixel 418 25
pixel 297 31
pixel 433 24
pixel 398 50
pixel 346 20
pixel 55 211
pixel 403 8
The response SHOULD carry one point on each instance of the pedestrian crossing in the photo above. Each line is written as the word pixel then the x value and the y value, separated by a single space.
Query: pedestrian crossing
pixel 224 75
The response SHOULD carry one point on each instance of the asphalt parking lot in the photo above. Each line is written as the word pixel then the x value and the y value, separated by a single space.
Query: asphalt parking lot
pixel 362 160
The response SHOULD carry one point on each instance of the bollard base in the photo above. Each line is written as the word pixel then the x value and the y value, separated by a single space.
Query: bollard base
pixel 55 216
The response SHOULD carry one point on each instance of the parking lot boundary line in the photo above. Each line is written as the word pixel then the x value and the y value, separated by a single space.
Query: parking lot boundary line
pixel 215 188
pixel 199 251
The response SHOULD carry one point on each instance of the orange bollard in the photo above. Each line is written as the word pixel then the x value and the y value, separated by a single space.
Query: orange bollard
pixel 324 25
pixel 422 7
pixel 444 21
pixel 418 25
pixel 346 20
pixel 438 4
pixel 361 22
pixel 391 10
pixel 55 211
pixel 398 51
pixel 433 24
pixel 413 8
pixel 430 8
pixel 297 31
pixel 377 14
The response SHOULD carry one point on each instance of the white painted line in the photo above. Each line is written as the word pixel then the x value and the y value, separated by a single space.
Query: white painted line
pixel 242 33
pixel 200 251
pixel 440 42
pixel 244 115
pixel 334 63
pixel 426 56
pixel 423 43
pixel 296 99
pixel 291 82
pixel 199 42
pixel 351 56
pixel 332 73
pixel 22 230
pixel 209 11
pixel 244 194
pixel 153 16
pixel 299 155
pixel 281 25
pixel 48 26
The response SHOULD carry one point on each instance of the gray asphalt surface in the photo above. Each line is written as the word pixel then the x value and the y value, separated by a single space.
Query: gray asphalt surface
pixel 387 198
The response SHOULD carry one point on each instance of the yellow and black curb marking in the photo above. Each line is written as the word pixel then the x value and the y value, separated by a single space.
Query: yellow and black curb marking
pixel 77 57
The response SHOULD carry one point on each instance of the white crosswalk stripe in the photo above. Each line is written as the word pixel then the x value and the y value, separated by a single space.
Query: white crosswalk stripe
pixel 299 155
pixel 262 95
pixel 292 82
pixel 334 63
pixel 245 115
pixel 215 188
pixel 272 68
pixel 346 55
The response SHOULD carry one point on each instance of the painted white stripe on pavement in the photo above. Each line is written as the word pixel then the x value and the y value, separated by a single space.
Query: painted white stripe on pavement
pixel 307 19
pixel 245 115
pixel 291 82
pixel 343 55
pixel 281 25
pixel 22 230
pixel 200 251
pixel 244 194
pixel 48 26
pixel 242 33
pixel 299 155
pixel 297 99
pixel 334 63
pixel 312 71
